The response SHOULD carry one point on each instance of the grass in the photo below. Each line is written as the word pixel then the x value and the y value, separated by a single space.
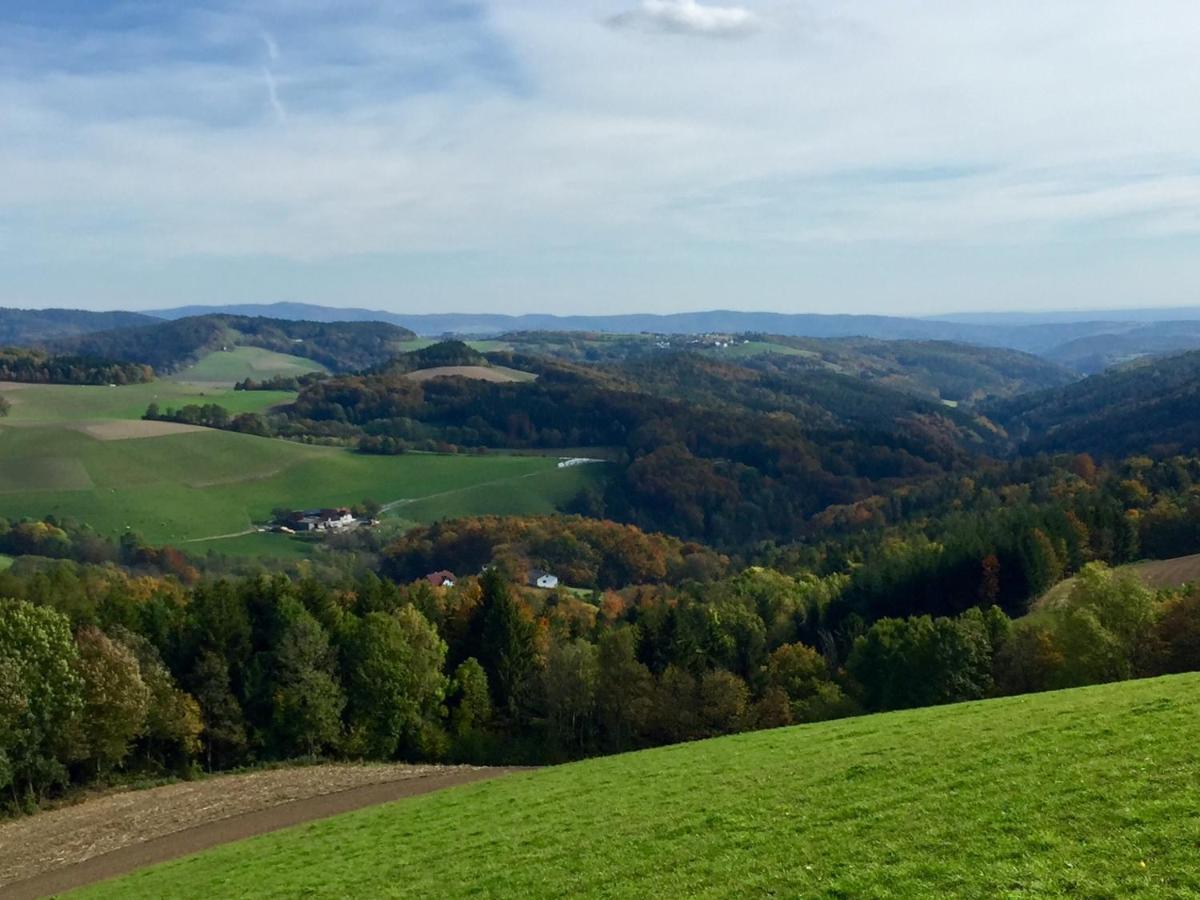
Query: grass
pixel 538 493
pixel 229 366
pixel 759 348
pixel 1093 792
pixel 181 487
pixel 71 403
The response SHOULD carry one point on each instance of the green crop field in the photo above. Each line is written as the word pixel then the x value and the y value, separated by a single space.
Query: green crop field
pixel 229 366
pixel 57 403
pixel 1093 792
pixel 759 348
pixel 202 484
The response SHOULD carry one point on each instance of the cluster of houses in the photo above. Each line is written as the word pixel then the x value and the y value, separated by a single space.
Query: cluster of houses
pixel 304 520
pixel 537 578
pixel 703 342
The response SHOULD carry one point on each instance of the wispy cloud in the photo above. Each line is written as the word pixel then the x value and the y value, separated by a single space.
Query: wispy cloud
pixel 688 17
pixel 273 94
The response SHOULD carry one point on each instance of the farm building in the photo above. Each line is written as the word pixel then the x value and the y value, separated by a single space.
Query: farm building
pixel 441 579
pixel 321 519
pixel 538 578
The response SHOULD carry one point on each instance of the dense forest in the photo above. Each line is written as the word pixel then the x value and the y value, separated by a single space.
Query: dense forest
pixel 1144 407
pixel 28 327
pixel 36 367
pixel 173 345
pixel 102 672
pixel 710 450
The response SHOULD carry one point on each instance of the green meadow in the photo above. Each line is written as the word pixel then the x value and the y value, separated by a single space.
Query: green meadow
pixel 240 363
pixel 1093 792
pixel 193 486
pixel 65 403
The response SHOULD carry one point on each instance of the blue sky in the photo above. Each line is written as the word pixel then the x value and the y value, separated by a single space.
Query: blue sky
pixel 911 157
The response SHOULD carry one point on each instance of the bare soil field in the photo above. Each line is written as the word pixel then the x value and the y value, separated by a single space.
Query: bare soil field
pixel 125 830
pixel 131 429
pixel 497 374
pixel 1170 573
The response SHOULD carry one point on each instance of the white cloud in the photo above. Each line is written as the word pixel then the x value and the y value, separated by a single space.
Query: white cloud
pixel 924 126
pixel 689 17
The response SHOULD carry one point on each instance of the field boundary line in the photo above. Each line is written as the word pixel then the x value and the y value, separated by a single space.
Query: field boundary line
pixel 236 828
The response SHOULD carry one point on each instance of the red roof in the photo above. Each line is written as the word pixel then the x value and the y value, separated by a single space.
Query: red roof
pixel 438 579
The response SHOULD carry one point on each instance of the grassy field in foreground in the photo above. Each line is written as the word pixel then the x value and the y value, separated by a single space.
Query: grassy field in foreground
pixel 1093 792
pixel 229 366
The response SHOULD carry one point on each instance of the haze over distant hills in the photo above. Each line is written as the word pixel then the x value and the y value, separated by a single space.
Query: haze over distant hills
pixel 1086 340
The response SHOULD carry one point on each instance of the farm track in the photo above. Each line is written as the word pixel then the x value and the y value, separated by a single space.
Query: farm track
pixel 396 504
pixel 140 852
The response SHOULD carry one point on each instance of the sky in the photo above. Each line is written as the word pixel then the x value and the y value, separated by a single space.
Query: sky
pixel 601 156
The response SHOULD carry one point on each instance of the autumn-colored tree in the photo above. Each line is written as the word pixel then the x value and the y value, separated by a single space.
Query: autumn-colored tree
pixel 116 701
pixel 723 700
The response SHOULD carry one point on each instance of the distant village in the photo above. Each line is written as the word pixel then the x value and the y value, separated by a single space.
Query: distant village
pixel 699 341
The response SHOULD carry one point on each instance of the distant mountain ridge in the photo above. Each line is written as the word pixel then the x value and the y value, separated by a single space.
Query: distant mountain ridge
pixel 23 327
pixel 818 325
pixel 1070 339
pixel 1115 336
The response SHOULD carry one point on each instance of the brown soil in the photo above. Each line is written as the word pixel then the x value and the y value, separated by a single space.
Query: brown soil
pixel 127 830
pixel 130 429
pixel 480 373
pixel 1170 573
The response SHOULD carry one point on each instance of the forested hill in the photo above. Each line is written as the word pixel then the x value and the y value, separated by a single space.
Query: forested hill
pixel 819 399
pixel 24 327
pixel 937 370
pixel 169 346
pixel 1150 407
pixel 943 370
pixel 707 450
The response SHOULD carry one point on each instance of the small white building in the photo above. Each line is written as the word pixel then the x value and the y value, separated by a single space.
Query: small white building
pixel 538 578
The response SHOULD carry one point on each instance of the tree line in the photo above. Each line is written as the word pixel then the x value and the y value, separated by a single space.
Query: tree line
pixel 102 673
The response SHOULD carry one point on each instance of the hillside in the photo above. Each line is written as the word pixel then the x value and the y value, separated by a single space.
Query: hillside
pixel 84 453
pixel 1089 792
pixel 25 327
pixel 942 370
pixel 170 346
pixel 1098 352
pixel 1144 407
pixel 711 450
pixel 936 370
pixel 1031 337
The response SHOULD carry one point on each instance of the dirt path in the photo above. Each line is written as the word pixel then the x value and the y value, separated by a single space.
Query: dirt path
pixel 162 824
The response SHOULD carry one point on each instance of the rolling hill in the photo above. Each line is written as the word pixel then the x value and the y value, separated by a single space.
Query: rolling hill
pixel 177 344
pixel 84 453
pixel 1145 407
pixel 1087 792
pixel 26 327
